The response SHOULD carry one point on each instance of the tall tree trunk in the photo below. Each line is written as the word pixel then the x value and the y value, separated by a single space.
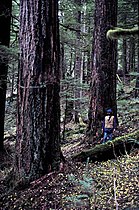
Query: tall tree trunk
pixel 71 63
pixel 88 67
pixel 62 67
pixel 38 120
pixel 132 47
pixel 137 79
pixel 125 57
pixel 130 58
pixel 103 84
pixel 78 60
pixel 83 79
pixel 5 20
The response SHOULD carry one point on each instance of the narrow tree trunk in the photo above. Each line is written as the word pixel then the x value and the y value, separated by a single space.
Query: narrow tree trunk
pixel 89 57
pixel 83 79
pixel 124 61
pixel 12 83
pixel 71 63
pixel 78 60
pixel 62 62
pixel 88 67
pixel 132 48
pixel 137 79
pixel 5 20
pixel 125 58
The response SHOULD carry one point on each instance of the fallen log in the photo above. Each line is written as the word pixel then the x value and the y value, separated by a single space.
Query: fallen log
pixel 111 149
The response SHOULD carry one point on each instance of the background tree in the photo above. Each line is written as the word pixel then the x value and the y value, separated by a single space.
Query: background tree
pixel 14 49
pixel 127 35
pixel 5 20
pixel 78 62
pixel 76 25
pixel 104 65
pixel 38 120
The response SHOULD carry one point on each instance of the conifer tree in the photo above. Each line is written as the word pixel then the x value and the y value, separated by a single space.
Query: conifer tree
pixel 103 83
pixel 38 120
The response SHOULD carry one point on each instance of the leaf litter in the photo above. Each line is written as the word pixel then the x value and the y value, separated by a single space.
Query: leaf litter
pixel 113 184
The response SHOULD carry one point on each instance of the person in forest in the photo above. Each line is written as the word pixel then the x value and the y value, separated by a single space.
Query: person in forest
pixel 109 125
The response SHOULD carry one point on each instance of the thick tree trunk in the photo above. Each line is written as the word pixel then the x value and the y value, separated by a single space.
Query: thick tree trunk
pixel 5 20
pixel 38 120
pixel 103 84
pixel 111 149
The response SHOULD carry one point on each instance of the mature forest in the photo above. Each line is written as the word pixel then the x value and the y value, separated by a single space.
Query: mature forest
pixel 69 108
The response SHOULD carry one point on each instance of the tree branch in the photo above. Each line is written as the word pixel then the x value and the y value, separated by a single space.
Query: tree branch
pixel 118 32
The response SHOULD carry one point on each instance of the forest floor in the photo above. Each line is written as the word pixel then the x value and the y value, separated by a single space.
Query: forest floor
pixel 112 184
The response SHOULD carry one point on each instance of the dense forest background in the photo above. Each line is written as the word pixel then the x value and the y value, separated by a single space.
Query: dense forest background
pixel 62 64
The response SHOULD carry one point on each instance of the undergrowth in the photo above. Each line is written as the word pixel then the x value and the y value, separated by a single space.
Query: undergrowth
pixel 107 185
pixel 110 185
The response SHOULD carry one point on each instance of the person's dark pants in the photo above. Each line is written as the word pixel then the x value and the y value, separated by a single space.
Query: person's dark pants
pixel 107 134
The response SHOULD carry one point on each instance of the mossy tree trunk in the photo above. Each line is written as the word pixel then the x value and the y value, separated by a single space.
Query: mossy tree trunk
pixel 110 150
pixel 104 65
pixel 38 120
pixel 5 21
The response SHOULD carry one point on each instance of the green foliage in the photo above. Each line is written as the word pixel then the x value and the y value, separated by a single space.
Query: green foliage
pixel 127 13
pixel 68 87
pixel 71 27
pixel 85 186
pixel 8 54
pixel 102 183
pixel 15 24
pixel 136 74
pixel 127 19
pixel 120 88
